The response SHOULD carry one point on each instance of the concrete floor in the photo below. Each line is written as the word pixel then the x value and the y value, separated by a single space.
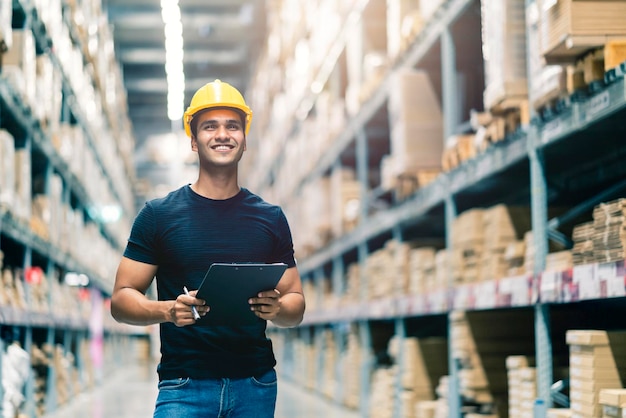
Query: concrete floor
pixel 131 392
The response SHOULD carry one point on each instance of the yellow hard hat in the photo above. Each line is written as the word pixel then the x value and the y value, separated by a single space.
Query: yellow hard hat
pixel 216 94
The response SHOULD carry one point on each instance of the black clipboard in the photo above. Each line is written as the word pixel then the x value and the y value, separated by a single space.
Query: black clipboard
pixel 226 288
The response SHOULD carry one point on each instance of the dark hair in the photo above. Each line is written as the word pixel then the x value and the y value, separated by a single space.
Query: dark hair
pixel 193 124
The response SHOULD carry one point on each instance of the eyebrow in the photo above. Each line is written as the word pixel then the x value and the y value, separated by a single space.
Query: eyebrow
pixel 227 121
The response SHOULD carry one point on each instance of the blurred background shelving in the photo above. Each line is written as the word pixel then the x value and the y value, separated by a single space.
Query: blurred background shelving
pixel 451 170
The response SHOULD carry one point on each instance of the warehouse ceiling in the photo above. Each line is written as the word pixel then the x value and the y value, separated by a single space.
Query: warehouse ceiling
pixel 221 40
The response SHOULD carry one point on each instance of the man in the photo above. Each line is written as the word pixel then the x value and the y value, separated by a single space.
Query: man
pixel 208 370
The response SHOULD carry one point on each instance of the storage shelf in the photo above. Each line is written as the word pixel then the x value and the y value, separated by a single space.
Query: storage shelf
pixel 583 283
pixel 22 234
pixel 22 115
pixel 44 42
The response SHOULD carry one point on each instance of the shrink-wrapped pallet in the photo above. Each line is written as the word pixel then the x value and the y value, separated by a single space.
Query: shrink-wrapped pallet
pixel 416 127
pixel 504 52
pixel 546 82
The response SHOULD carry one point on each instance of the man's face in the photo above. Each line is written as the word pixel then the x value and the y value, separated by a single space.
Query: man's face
pixel 219 138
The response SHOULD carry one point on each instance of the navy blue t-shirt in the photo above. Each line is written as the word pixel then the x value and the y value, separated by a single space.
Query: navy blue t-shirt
pixel 183 234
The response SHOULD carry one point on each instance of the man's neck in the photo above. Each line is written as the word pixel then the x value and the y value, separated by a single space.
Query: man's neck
pixel 216 188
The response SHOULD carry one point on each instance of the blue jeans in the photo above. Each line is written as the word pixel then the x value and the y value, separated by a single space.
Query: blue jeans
pixel 251 397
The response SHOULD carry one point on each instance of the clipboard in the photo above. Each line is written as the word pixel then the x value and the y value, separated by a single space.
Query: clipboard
pixel 226 288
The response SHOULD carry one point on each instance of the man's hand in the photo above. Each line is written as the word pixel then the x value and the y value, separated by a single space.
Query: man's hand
pixel 181 313
pixel 266 305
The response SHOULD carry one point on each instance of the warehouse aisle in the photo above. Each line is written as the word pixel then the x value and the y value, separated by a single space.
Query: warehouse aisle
pixel 131 391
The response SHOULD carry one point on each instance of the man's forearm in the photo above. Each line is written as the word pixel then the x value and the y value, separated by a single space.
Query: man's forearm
pixel 132 307
pixel 291 310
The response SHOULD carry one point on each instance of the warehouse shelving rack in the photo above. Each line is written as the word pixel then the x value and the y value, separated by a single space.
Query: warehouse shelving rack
pixel 23 248
pixel 570 159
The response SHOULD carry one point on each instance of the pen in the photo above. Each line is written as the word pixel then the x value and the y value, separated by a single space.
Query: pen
pixel 196 315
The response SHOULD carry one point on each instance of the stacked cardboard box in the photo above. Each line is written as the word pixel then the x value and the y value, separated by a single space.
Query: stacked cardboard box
pixel 547 83
pixel 352 359
pixel 422 274
pixel 613 402
pixel 559 413
pixel 474 386
pixel 582 252
pixel 387 270
pixel 504 49
pixel 503 225
pixel 448 268
pixel 382 393
pixel 522 386
pixel 345 201
pixel 7 169
pixel 609 239
pixel 571 27
pixel 330 359
pixel 415 379
pixel 19 64
pixel 415 118
pixel 593 367
pixel 353 285
pixel 468 239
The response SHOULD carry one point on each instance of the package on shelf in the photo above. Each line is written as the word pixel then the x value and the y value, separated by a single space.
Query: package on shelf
pixel 7 169
pixel 382 392
pixel 448 270
pixel 583 249
pixel 613 402
pixel 422 270
pixel 19 65
pixel 426 409
pixel 594 366
pixel 474 386
pixel 345 201
pixel 47 211
pixel 352 293
pixel 515 255
pixel 330 355
pixel 559 261
pixel 351 361
pixel 504 53
pixel 503 226
pixel 609 222
pixel 571 27
pixel 404 22
pixel 415 119
pixel 22 202
pixel 16 363
pixel 522 386
pixel 305 372
pixel 37 289
pixel 7 290
pixel 50 94
pixel 559 413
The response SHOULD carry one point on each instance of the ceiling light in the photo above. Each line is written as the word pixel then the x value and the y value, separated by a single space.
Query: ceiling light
pixel 174 53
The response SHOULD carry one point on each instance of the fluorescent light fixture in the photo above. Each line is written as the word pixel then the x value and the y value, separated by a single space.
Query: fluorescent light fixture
pixel 174 53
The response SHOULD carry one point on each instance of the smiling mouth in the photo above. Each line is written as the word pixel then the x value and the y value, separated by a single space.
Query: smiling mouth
pixel 222 147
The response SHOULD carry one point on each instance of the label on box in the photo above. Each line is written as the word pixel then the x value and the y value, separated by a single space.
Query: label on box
pixel 485 294
pixel 550 286
pixel 463 298
pixel 612 278
pixel 519 289
pixel 587 281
